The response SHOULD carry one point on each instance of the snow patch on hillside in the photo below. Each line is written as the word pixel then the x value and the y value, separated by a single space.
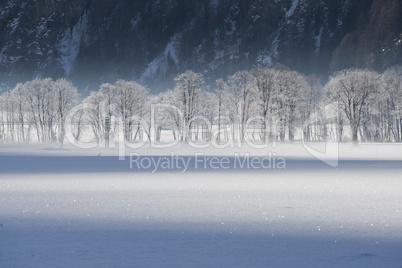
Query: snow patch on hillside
pixel 274 46
pixel 171 50
pixel 160 63
pixel 264 59
pixel 318 42
pixel 218 60
pixel 154 67
pixel 69 46
pixel 292 9
pixel 14 24
pixel 267 57
pixel 134 21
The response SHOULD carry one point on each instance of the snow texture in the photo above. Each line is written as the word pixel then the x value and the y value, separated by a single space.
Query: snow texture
pixel 71 208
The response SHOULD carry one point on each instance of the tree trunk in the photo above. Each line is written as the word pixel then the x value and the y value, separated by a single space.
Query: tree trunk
pixel 355 131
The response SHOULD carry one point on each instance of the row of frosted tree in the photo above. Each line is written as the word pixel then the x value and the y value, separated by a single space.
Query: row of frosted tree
pixel 263 105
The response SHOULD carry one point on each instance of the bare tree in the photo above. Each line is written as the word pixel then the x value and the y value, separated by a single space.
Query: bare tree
pixel 241 96
pixel 130 99
pixel 187 93
pixel 3 130
pixel 315 101
pixel 66 98
pixel 94 108
pixel 168 115
pixel 10 118
pixel 43 108
pixel 265 79
pixel 392 85
pixel 221 93
pixel 109 99
pixel 352 88
pixel 19 98
pixel 208 102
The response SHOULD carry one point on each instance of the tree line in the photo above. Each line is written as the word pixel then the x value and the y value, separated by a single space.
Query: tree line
pixel 263 105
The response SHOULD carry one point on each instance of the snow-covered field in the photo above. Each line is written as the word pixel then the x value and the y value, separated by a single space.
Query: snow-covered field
pixel 85 208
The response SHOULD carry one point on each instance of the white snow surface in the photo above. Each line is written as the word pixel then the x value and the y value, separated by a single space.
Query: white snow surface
pixel 84 208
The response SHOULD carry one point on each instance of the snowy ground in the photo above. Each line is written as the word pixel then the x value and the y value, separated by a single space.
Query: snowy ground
pixel 76 208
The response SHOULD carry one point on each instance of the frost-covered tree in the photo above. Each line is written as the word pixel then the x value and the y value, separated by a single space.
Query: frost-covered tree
pixel 109 99
pixel 311 110
pixel 9 117
pixel 131 100
pixel 274 102
pixel 392 92
pixel 221 93
pixel 188 90
pixel 66 98
pixel 3 130
pixel 242 94
pixel 290 89
pixel 208 102
pixel 78 125
pixel 353 88
pixel 42 105
pixel 265 81
pixel 95 114
pixel 123 103
pixel 169 116
pixel 19 99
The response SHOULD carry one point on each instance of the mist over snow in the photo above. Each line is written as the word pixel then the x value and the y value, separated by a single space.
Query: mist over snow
pixel 200 133
pixel 82 208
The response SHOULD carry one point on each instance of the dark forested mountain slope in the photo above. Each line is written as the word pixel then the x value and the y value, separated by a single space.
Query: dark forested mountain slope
pixel 151 41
